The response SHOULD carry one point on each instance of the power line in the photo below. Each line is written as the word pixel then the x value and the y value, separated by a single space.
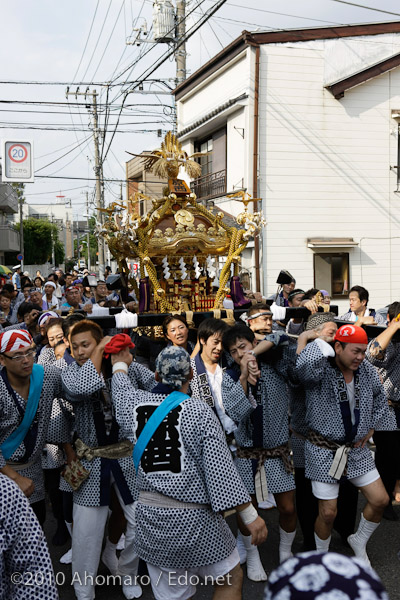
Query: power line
pixel 30 124
pixel 82 83
pixel 107 115
pixel 60 157
pixel 93 179
pixel 60 112
pixel 71 161
pixel 109 39
pixel 211 27
pixel 87 40
pixel 169 53
pixel 271 12
pixel 78 187
pixel 386 12
pixel 152 45
pixel 85 104
pixel 34 128
pixel 98 39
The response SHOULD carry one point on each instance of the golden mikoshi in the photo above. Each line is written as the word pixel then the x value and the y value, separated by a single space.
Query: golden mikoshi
pixel 178 242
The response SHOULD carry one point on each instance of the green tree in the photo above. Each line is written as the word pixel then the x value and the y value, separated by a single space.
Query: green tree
pixel 59 252
pixel 38 238
pixel 83 243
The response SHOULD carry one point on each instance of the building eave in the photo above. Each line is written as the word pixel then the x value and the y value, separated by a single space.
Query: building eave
pixel 331 243
pixel 211 115
pixel 338 88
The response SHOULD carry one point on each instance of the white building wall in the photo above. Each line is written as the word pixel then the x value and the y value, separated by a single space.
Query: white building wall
pixel 325 169
pixel 230 81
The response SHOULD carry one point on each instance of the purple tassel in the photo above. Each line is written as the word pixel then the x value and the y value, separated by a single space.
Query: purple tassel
pixel 237 295
pixel 144 295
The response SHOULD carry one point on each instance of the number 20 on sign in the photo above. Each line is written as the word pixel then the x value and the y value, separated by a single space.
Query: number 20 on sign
pixel 17 161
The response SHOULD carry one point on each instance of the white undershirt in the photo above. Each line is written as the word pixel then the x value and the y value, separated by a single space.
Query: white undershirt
pixel 352 399
pixel 354 317
pixel 215 381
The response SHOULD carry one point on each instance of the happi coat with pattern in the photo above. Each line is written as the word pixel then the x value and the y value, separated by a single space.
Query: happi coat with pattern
pixel 326 410
pixel 48 429
pixel 84 388
pixel 262 417
pixel 388 364
pixel 187 459
pixel 23 549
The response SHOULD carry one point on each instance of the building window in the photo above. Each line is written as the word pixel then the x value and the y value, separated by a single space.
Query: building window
pixel 331 273
pixel 212 182
pixel 207 160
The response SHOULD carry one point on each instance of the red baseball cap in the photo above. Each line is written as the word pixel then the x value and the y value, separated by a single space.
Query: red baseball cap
pixel 349 334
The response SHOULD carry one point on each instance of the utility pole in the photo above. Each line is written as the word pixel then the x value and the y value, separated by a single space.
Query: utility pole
pixel 97 169
pixel 180 54
pixel 88 232
pixel 21 231
pixel 77 243
pixel 53 254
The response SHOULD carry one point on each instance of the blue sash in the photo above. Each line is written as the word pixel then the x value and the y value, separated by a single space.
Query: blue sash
pixel 16 438
pixel 168 404
pixel 344 404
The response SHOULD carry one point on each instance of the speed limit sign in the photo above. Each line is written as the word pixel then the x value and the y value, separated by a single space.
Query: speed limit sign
pixel 17 161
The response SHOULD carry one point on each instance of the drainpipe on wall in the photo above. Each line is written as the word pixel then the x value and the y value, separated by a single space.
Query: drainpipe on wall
pixel 255 163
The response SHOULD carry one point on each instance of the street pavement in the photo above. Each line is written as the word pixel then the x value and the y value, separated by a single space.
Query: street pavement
pixel 382 550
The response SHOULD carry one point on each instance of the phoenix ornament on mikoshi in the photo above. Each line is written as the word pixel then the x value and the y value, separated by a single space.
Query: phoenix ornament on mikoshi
pixel 167 161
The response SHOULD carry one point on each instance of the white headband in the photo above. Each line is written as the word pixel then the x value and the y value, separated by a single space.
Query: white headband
pixel 259 314
pixel 50 314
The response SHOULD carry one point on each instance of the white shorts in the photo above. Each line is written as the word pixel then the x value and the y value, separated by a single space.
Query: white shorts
pixel 330 491
pixel 180 584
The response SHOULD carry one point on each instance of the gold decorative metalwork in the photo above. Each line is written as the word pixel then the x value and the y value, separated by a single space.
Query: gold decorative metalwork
pixel 177 227
pixel 167 161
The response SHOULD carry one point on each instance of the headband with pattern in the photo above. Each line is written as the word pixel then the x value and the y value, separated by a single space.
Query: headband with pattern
pixel 49 314
pixel 14 340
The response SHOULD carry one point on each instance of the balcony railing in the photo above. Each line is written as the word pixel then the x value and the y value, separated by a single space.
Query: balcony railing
pixel 9 239
pixel 8 199
pixel 209 186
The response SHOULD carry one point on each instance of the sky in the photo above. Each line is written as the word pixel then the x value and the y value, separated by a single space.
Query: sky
pixel 48 46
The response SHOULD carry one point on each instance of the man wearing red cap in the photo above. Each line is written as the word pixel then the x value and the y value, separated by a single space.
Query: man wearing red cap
pixel 345 402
